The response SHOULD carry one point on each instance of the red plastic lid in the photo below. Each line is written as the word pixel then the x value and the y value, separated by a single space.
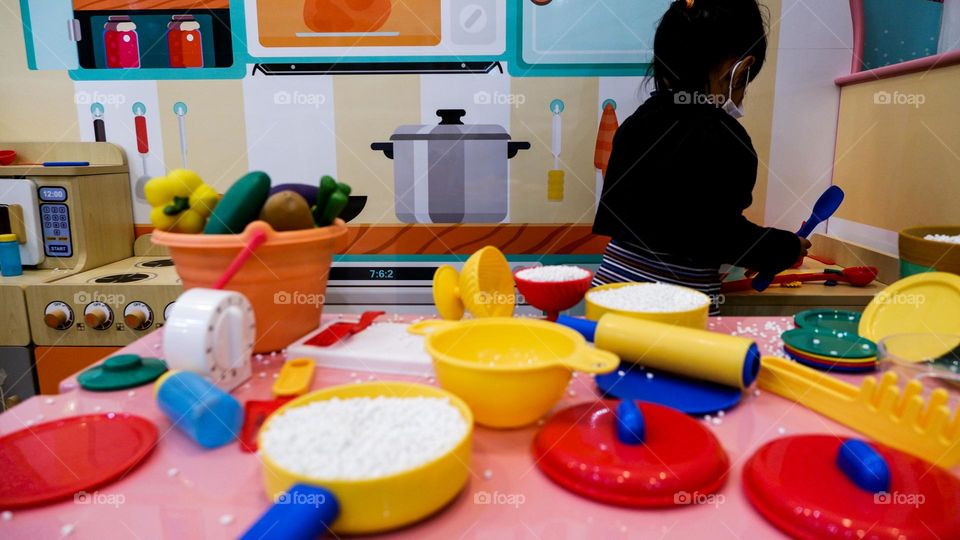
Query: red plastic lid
pixel 795 484
pixel 679 459
pixel 56 460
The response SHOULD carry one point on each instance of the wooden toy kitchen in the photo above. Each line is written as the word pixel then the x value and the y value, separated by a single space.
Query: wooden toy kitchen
pixel 324 268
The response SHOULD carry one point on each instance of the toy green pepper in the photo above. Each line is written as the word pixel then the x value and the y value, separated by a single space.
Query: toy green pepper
pixel 332 198
pixel 180 201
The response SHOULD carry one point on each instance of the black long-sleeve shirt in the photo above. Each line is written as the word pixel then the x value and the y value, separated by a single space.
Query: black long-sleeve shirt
pixel 678 181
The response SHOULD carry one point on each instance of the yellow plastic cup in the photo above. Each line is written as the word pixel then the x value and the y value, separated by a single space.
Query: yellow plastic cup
pixel 285 279
pixel 694 318
pixel 390 502
pixel 509 371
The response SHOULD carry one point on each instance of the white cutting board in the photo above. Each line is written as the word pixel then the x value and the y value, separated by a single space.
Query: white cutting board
pixel 384 347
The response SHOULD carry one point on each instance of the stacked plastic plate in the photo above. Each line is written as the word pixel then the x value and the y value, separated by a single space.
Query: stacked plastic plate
pixel 827 339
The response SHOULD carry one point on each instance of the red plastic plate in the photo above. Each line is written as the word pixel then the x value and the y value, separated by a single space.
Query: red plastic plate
pixel 679 460
pixel 795 484
pixel 55 460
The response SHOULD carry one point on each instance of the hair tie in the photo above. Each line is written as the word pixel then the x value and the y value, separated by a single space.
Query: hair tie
pixel 689 4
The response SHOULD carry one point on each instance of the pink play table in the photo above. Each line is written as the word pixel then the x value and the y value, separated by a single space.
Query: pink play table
pixel 182 491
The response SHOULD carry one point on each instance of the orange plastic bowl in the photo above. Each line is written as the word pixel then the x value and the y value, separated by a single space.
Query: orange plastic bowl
pixel 285 280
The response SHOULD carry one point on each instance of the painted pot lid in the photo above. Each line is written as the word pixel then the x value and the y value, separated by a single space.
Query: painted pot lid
pixel 831 346
pixel 579 449
pixel 829 321
pixel 56 460
pixel 924 303
pixel 451 127
pixel 691 396
pixel 797 485
pixel 121 371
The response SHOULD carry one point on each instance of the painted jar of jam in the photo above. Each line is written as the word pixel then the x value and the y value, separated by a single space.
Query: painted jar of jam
pixel 121 43
pixel 184 43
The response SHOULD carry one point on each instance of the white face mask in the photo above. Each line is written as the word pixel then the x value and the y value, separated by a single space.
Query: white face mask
pixel 729 106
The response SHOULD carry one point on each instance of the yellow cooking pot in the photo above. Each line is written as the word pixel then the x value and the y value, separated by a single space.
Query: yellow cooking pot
pixel 693 318
pixel 381 504
pixel 510 371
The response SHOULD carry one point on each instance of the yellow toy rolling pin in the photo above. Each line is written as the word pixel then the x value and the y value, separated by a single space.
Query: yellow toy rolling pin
pixel 709 356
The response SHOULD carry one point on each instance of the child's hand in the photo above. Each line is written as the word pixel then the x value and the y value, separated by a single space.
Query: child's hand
pixel 804 246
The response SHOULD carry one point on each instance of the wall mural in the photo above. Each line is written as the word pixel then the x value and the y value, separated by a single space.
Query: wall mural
pixel 459 123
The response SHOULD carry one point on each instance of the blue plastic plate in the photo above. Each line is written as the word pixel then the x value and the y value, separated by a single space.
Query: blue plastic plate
pixel 691 396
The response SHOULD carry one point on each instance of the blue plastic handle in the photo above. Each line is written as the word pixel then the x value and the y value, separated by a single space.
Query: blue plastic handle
pixel 586 327
pixel 303 513
pixel 864 466
pixel 825 207
pixel 66 163
pixel 631 428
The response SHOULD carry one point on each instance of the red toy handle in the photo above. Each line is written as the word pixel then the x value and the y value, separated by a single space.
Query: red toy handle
pixel 140 123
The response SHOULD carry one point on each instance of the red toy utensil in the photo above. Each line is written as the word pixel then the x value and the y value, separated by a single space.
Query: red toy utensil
pixel 64 458
pixel 255 413
pixel 339 331
pixel 553 296
pixel 857 276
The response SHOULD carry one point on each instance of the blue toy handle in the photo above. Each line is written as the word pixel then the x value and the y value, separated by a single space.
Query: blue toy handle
pixel 586 327
pixel 302 513
pixel 825 206
pixel 864 466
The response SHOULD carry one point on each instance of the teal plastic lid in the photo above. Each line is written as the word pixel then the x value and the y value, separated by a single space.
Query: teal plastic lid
pixel 829 321
pixel 121 371
pixel 828 345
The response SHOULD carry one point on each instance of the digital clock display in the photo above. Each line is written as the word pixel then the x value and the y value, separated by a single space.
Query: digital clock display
pixel 381 273
pixel 53 194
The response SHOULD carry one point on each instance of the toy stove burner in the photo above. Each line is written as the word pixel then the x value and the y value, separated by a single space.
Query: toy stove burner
pixel 124 278
pixel 159 263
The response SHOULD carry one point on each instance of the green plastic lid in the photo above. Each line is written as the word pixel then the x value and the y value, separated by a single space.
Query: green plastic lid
pixel 121 371
pixel 831 346
pixel 829 321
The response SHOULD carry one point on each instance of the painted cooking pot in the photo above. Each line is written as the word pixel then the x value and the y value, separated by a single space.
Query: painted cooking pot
pixel 451 172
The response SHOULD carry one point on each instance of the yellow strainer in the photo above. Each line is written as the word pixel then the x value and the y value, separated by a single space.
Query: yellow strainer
pixel 484 287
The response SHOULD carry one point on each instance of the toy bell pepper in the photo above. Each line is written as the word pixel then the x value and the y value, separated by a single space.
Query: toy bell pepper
pixel 180 201
pixel 332 198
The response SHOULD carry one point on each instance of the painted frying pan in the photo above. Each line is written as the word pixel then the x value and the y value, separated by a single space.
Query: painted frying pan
pixel 823 487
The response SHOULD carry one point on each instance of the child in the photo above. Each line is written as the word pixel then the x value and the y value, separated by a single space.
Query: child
pixel 682 168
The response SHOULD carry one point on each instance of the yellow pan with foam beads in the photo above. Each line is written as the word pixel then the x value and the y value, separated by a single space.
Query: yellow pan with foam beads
pixel 510 371
pixel 693 318
pixel 393 501
pixel 484 287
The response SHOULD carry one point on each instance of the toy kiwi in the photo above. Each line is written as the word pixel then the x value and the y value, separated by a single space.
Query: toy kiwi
pixel 240 205
pixel 287 211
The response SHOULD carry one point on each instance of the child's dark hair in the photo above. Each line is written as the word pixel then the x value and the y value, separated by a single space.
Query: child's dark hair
pixel 695 36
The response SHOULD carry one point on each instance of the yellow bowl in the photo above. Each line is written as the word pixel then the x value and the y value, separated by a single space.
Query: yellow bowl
pixel 510 371
pixel 381 504
pixel 694 318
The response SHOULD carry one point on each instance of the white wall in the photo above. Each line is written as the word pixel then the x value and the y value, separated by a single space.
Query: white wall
pixel 816 42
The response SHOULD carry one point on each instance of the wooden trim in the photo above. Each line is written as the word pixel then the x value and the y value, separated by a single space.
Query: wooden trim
pixel 131 5
pixel 926 63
